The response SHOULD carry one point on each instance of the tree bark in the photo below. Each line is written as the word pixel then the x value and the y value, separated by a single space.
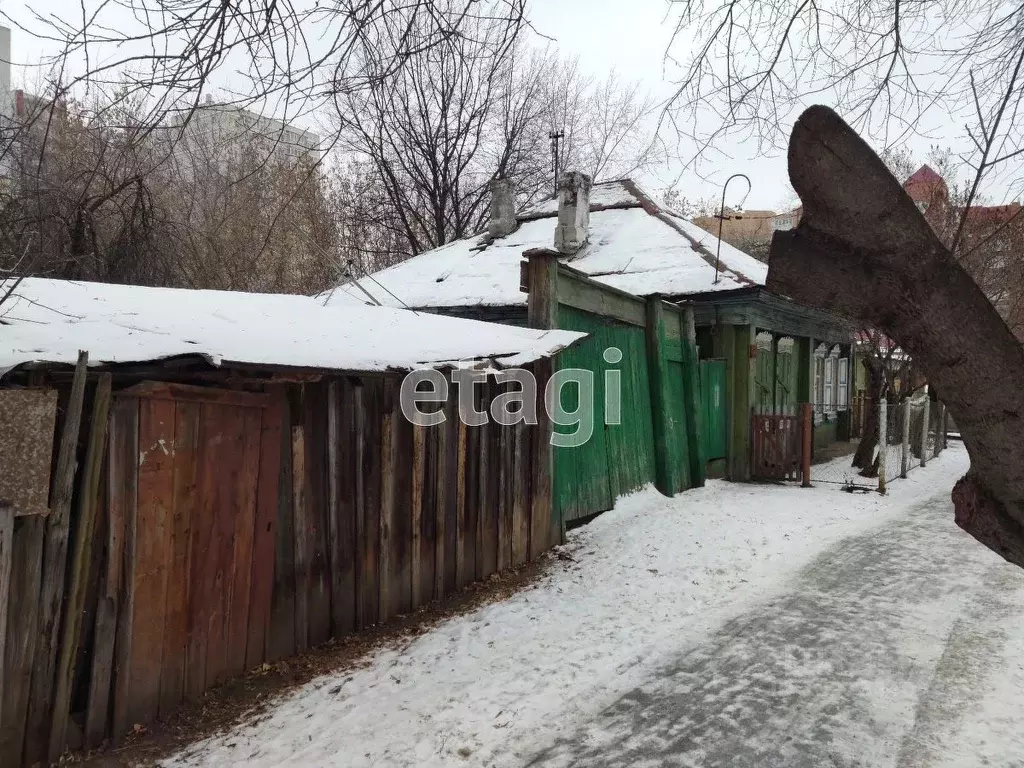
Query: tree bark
pixel 863 249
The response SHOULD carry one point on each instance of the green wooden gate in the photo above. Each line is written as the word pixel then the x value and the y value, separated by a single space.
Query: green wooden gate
pixel 713 398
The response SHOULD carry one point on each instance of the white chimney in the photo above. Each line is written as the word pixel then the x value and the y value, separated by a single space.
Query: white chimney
pixel 5 62
pixel 573 227
pixel 503 208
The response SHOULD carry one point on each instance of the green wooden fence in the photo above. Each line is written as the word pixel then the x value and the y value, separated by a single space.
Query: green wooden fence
pixel 657 439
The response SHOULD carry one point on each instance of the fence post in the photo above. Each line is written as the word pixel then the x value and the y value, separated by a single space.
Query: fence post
pixel 924 433
pixel 905 453
pixel 883 441
pixel 806 417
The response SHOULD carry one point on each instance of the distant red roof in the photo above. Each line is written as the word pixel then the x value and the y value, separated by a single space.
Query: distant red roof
pixel 925 185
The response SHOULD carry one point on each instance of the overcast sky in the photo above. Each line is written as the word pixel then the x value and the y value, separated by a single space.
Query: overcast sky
pixel 630 36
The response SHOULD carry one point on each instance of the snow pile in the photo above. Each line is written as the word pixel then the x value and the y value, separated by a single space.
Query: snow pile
pixel 51 320
pixel 645 581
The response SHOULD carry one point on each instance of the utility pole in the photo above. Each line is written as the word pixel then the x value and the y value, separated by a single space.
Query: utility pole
pixel 556 138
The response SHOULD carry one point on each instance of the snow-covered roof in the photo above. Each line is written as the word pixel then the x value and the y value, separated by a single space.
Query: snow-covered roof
pixel 634 245
pixel 51 320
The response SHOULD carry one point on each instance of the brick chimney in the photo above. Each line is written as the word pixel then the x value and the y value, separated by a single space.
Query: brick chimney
pixel 573 227
pixel 503 208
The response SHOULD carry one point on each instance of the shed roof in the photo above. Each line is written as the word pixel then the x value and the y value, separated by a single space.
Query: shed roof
pixel 49 321
pixel 635 245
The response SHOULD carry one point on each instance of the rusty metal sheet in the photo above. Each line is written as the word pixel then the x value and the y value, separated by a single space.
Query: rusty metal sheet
pixel 27 419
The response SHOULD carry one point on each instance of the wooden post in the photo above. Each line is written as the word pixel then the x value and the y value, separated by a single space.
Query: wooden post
pixel 81 555
pixel 657 366
pixel 6 561
pixel 905 445
pixel 806 424
pixel 55 551
pixel 691 390
pixel 883 441
pixel 924 432
pixel 541 281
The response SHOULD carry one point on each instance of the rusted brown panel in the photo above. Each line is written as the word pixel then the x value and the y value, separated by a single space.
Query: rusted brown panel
pixel 265 531
pixel 185 460
pixel 153 556
pixel 236 620
pixel 28 417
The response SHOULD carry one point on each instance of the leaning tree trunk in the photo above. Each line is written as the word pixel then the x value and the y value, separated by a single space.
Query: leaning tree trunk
pixel 864 458
pixel 864 250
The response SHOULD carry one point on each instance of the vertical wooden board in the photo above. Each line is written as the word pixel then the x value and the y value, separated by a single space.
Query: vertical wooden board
pixel 265 531
pixel 428 517
pixel 228 463
pixel 388 471
pixel 541 509
pixel 22 637
pixel 185 458
pixel 372 404
pixel 319 583
pixel 419 465
pixel 490 511
pixel 300 526
pixel 401 532
pixel 152 555
pixel 441 493
pixel 6 566
pixel 110 673
pixel 236 623
pixel 281 630
pixel 462 576
pixel 520 494
pixel 201 549
pixel 504 500
pixel 472 487
pixel 358 447
pixel 340 506
pixel 451 499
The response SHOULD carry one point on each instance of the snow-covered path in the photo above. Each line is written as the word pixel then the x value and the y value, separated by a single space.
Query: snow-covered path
pixel 900 647
pixel 734 625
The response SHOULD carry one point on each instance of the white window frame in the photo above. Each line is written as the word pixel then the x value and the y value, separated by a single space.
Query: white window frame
pixel 844 383
pixel 818 371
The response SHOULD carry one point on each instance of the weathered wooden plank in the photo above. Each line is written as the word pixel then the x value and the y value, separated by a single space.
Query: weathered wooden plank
pixel 222 551
pixel 483 567
pixel 22 635
pixel 491 510
pixel 472 480
pixel 165 390
pixel 388 490
pixel 81 557
pixel 373 403
pixel 26 448
pixel 185 460
pixel 359 437
pixel 582 293
pixel 542 513
pixel 442 491
pixel 428 517
pixel 504 496
pixel 419 466
pixel 244 508
pixel 337 513
pixel 319 580
pixel 401 529
pixel 6 565
pixel 520 494
pixel 281 632
pixel 451 499
pixel 461 567
pixel 51 599
pixel 153 556
pixel 265 530
pixel 202 548
pixel 124 490
pixel 301 538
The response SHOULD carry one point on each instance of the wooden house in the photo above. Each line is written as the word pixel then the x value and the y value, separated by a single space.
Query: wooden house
pixel 247 487
pixel 759 353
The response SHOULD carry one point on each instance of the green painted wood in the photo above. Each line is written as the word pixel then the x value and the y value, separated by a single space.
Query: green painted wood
pixel 742 399
pixel 764 380
pixel 663 375
pixel 618 458
pixel 713 408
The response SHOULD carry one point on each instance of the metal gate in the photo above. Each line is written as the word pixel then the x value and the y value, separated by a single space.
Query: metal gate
pixel 712 394
pixel 775 444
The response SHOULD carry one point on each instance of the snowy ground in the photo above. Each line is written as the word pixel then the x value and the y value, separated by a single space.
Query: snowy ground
pixel 733 626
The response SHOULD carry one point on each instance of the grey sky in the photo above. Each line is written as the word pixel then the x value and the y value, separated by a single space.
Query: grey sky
pixel 630 36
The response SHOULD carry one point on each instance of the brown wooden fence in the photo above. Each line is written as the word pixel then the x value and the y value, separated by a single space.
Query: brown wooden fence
pixel 236 527
pixel 776 446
